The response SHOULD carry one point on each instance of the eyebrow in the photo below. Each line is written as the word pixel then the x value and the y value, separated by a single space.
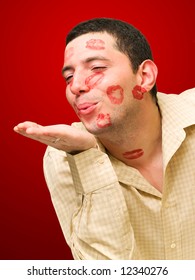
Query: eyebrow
pixel 87 60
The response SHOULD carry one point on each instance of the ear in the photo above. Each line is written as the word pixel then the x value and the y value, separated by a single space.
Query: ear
pixel 148 72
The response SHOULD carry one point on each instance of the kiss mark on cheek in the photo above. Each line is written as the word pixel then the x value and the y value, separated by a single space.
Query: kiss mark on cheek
pixel 95 44
pixel 103 120
pixel 133 154
pixel 115 94
pixel 138 92
pixel 69 53
pixel 93 80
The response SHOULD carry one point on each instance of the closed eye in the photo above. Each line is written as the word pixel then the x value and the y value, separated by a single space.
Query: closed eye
pixel 99 68
pixel 68 79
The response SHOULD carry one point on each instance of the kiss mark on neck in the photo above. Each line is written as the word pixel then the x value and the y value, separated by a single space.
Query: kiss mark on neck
pixel 133 154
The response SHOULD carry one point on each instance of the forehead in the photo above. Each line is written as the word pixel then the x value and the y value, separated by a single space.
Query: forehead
pixel 98 41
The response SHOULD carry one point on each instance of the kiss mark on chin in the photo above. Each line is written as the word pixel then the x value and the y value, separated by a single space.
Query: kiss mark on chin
pixel 103 120
pixel 115 94
pixel 138 92
pixel 133 154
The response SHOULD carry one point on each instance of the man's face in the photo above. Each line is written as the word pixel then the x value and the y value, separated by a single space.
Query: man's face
pixel 100 82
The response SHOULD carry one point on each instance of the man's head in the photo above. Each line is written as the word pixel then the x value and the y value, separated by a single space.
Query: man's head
pixel 108 82
pixel 129 39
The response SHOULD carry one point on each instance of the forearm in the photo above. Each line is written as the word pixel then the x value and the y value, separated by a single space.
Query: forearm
pixel 59 181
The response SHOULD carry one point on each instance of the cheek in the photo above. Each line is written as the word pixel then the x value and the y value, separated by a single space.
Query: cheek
pixel 103 120
pixel 69 96
pixel 138 92
pixel 115 94
pixel 70 85
pixel 94 80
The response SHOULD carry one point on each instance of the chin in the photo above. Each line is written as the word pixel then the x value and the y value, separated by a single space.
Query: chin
pixel 92 129
pixel 97 131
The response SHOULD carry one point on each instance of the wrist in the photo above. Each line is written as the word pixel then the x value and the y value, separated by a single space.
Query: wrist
pixel 75 152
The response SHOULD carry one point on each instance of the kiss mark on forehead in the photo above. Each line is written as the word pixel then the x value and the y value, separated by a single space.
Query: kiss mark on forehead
pixel 69 53
pixel 133 154
pixel 138 92
pixel 103 120
pixel 115 94
pixel 93 80
pixel 95 44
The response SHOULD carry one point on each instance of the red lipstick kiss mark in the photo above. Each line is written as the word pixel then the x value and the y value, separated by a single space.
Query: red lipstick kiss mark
pixel 93 80
pixel 103 120
pixel 95 44
pixel 133 154
pixel 138 92
pixel 115 93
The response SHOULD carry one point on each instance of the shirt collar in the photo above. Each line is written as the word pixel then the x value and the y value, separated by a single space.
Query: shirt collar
pixel 178 113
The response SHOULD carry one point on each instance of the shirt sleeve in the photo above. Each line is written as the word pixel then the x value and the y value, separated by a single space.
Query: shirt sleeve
pixel 60 184
pixel 89 204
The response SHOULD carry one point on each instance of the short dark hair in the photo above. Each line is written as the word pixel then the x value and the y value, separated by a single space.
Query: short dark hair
pixel 129 39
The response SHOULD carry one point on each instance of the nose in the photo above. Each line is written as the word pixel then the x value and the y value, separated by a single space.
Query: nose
pixel 79 85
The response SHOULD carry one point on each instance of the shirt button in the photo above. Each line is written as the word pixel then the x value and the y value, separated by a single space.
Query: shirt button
pixel 100 161
pixel 173 245
pixel 169 204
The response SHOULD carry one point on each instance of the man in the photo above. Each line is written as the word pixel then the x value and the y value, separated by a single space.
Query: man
pixel 122 181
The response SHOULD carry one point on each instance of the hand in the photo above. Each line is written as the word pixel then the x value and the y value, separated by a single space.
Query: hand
pixel 61 136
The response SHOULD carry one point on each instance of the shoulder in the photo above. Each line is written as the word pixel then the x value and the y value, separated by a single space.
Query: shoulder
pixel 187 95
pixel 183 100
pixel 178 107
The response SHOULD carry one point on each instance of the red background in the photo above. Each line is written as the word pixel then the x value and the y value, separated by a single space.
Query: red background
pixel 32 45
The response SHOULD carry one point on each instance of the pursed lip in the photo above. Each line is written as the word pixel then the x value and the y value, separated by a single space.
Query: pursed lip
pixel 85 108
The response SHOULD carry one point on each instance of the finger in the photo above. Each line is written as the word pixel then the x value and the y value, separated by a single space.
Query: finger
pixel 32 130
pixel 47 133
pixel 24 126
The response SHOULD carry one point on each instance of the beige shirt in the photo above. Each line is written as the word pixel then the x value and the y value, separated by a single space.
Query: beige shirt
pixel 107 210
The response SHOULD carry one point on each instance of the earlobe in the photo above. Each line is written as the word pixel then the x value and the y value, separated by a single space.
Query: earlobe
pixel 148 71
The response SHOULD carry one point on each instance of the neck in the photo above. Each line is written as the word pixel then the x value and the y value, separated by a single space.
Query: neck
pixel 135 145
